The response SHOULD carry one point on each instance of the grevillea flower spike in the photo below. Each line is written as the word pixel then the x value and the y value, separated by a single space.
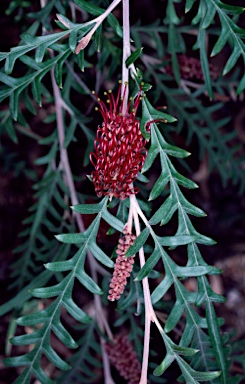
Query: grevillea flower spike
pixel 123 356
pixel 123 266
pixel 120 150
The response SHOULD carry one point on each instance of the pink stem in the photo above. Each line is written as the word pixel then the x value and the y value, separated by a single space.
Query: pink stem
pixel 101 319
pixel 126 52
pixel 149 311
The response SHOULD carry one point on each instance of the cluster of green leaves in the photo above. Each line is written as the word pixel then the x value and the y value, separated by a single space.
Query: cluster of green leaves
pixel 80 362
pixel 195 334
pixel 215 137
pixel 50 317
pixel 205 16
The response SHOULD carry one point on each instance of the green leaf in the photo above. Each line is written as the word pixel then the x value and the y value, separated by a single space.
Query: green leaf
pixel 54 357
pixel 216 341
pixel 62 333
pixel 75 311
pixel 30 338
pixel 88 208
pixel 88 283
pixel 174 316
pixel 71 238
pixel 151 115
pixel 112 220
pixel 204 62
pixel 73 40
pixel 184 351
pixel 161 289
pixel 175 241
pixel 196 271
pixel 209 16
pixel 189 5
pixel 152 154
pixel 190 373
pixel 90 8
pixel 241 85
pixel 222 40
pixel 171 16
pixel 139 242
pixel 149 265
pixel 100 255
pixel 169 358
pixel 97 11
pixel 134 56
pixel 159 185
pixel 232 60
pixel 165 212
pixel 52 291
pixel 19 361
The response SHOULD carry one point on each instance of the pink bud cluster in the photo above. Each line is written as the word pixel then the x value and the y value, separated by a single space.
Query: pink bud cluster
pixel 119 148
pixel 123 266
pixel 124 358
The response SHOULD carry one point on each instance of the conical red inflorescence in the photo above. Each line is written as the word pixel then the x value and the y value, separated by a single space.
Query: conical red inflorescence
pixel 191 68
pixel 124 358
pixel 123 266
pixel 119 148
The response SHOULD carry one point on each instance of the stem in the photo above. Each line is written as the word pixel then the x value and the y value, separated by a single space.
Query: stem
pixel 94 267
pixel 98 20
pixel 126 52
pixel 150 315
pixel 80 81
pixel 102 17
pixel 149 311
pixel 130 218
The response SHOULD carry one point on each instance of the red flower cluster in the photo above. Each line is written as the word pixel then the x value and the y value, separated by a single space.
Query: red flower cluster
pixel 119 148
pixel 124 358
pixel 191 68
pixel 123 266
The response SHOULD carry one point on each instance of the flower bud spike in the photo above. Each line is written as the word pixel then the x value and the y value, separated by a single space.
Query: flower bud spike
pixel 123 266
pixel 123 356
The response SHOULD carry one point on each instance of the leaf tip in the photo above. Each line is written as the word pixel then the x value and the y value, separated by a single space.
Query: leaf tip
pixel 58 237
pixel 89 177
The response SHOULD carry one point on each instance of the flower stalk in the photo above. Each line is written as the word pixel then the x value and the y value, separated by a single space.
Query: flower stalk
pixel 126 50
pixel 94 266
